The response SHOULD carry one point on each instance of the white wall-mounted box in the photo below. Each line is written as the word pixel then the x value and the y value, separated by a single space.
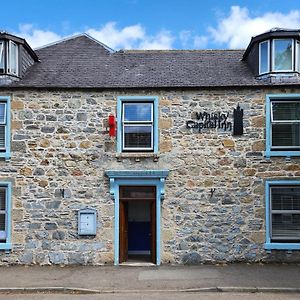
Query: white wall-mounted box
pixel 87 221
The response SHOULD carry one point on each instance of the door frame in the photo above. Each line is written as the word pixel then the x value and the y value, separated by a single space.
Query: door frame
pixel 135 178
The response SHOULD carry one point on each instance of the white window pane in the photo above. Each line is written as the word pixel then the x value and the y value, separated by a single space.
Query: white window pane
pixel 264 57
pixel 13 58
pixel 138 112
pixel 289 111
pixel 286 135
pixel 283 54
pixel 138 137
pixel 1 57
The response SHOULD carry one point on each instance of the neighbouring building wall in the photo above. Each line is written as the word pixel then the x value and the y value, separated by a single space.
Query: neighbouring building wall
pixel 214 206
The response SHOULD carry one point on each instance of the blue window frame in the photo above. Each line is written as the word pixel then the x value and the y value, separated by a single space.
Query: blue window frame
pixel 5 215
pixel 282 125
pixel 5 127
pixel 282 215
pixel 137 118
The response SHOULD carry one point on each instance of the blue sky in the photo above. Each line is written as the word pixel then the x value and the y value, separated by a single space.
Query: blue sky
pixel 145 24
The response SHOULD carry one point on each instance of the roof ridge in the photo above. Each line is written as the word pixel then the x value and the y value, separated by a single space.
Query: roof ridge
pixel 178 50
pixel 74 37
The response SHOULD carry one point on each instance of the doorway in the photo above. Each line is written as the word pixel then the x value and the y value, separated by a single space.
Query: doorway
pixel 137 221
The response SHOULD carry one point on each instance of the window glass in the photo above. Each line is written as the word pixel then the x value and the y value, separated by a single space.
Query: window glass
pixel 2 199
pixel 285 198
pixel 133 192
pixel 138 136
pixel 283 54
pixel 285 210
pixel 2 137
pixel 2 214
pixel 285 125
pixel 264 57
pixel 2 113
pixel 1 57
pixel 286 135
pixel 286 111
pixel 138 112
pixel 13 53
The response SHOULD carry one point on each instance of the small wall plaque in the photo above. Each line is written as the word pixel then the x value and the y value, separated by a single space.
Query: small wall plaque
pixel 87 221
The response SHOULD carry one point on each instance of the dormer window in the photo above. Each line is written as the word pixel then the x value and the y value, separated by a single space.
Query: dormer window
pixel 274 55
pixel 9 57
pixel 281 54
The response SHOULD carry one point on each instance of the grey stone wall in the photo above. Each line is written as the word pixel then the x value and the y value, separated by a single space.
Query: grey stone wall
pixel 214 207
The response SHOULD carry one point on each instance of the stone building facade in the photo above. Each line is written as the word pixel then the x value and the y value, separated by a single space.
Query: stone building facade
pixel 212 188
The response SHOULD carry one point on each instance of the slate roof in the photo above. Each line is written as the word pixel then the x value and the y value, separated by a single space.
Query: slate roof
pixel 81 62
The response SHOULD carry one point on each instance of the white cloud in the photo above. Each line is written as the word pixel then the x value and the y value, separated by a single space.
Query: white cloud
pixel 236 30
pixel 36 37
pixel 129 37
pixel 115 38
pixel 200 41
pixel 162 40
pixel 233 31
pixel 190 40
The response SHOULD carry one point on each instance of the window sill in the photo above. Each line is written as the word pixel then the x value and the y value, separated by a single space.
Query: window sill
pixel 268 154
pixel 137 155
pixel 282 246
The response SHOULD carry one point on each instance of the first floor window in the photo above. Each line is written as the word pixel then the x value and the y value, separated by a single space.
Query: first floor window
pixel 285 213
pixel 285 117
pixel 5 207
pixel 283 125
pixel 136 124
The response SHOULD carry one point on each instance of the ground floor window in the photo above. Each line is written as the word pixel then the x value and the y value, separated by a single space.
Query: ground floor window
pixel 283 214
pixel 5 215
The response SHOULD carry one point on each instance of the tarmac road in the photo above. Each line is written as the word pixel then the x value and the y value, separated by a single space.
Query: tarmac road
pixel 156 296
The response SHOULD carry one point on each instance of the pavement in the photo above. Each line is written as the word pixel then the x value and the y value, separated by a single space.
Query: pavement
pixel 248 278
